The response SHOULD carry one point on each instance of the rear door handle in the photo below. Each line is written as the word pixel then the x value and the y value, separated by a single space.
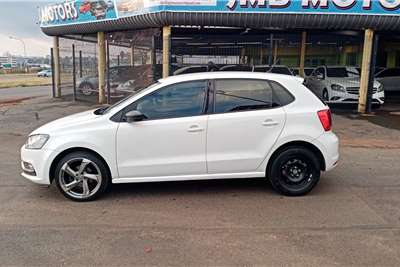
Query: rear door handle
pixel 195 129
pixel 270 122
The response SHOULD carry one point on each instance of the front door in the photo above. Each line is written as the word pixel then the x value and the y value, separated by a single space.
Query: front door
pixel 172 140
pixel 244 127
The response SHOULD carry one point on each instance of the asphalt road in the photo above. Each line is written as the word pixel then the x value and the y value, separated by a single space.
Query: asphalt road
pixel 22 92
pixel 352 218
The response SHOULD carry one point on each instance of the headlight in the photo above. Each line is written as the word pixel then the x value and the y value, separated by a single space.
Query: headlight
pixel 338 88
pixel 36 141
pixel 380 88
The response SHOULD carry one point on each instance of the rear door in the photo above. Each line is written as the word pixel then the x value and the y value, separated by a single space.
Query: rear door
pixel 244 126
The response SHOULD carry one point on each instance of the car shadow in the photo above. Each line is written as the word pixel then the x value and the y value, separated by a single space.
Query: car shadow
pixel 226 186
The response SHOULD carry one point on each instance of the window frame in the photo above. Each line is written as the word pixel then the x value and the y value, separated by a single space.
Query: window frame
pixel 269 82
pixel 121 114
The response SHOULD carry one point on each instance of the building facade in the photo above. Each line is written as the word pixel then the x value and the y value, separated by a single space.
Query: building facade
pixel 106 40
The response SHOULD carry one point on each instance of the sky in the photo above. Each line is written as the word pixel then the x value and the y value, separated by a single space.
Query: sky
pixel 20 19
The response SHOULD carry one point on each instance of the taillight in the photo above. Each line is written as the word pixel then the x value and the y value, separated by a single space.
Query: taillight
pixel 326 119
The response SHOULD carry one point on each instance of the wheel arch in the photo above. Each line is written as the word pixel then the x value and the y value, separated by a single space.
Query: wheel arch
pixel 299 143
pixel 62 154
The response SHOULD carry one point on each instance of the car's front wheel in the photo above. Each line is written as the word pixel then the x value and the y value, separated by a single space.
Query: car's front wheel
pixel 82 176
pixel 87 89
pixel 295 171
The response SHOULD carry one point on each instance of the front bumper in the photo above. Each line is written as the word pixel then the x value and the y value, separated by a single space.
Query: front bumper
pixel 341 97
pixel 36 164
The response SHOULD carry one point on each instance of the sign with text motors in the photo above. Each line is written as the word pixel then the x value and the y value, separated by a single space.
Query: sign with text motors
pixel 83 11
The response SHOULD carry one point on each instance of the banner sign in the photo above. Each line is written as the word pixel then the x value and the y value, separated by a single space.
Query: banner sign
pixel 81 11
pixel 77 11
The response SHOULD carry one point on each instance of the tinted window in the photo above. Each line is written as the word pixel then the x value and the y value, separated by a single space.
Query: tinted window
pixel 261 68
pixel 281 70
pixel 319 71
pixel 281 95
pixel 194 70
pixel 236 68
pixel 337 72
pixel 389 73
pixel 308 72
pixel 239 95
pixel 178 100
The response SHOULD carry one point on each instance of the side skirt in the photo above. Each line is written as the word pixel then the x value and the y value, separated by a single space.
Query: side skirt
pixel 189 177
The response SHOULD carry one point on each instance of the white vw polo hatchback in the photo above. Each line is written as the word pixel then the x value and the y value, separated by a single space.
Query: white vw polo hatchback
pixel 218 125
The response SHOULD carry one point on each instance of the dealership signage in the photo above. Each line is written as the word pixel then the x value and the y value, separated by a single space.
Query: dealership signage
pixel 76 11
pixel 389 5
pixel 82 11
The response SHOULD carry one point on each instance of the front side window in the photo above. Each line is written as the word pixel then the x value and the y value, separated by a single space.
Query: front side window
pixel 179 100
pixel 240 95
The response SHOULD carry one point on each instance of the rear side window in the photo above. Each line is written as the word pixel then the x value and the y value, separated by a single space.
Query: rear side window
pixel 281 95
pixel 242 95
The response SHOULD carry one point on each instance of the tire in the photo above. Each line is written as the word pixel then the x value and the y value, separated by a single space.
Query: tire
pixel 82 176
pixel 295 171
pixel 86 89
pixel 325 95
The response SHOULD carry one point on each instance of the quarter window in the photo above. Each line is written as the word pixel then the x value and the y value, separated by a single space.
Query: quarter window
pixel 178 100
pixel 241 95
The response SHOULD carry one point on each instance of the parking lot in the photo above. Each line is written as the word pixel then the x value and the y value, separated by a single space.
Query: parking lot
pixel 351 218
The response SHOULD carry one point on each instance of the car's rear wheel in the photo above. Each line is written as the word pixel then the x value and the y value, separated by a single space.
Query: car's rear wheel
pixel 82 176
pixel 295 171
pixel 87 89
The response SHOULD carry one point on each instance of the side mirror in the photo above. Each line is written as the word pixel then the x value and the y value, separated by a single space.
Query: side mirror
pixel 320 76
pixel 134 115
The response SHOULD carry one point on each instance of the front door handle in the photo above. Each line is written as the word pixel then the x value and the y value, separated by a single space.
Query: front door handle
pixel 270 122
pixel 195 129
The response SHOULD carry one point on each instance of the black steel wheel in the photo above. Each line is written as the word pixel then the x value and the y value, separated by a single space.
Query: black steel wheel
pixel 295 171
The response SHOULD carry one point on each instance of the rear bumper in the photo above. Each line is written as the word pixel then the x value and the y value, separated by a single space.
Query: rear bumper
pixel 328 143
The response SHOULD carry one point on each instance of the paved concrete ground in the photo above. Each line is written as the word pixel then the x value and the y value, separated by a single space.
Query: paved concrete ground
pixel 21 92
pixel 351 218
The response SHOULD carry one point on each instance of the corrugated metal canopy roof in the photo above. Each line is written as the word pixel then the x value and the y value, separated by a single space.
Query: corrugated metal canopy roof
pixel 223 19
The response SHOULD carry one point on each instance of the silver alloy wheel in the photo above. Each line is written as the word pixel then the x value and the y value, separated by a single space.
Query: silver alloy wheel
pixel 80 178
pixel 86 90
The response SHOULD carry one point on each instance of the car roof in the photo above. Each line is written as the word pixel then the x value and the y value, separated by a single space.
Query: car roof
pixel 226 75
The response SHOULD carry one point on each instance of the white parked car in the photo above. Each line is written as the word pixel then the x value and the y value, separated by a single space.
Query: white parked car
pixel 340 84
pixel 44 73
pixel 218 125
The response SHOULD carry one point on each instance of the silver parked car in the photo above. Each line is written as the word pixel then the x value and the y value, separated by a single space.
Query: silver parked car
pixel 390 79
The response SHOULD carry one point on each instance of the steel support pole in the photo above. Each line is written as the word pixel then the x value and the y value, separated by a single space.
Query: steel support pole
pixel 271 47
pixel 101 66
pixel 372 73
pixel 53 85
pixel 57 72
pixel 108 74
pixel 73 72
pixel 166 50
pixel 302 53
pixel 80 64
pixel 365 70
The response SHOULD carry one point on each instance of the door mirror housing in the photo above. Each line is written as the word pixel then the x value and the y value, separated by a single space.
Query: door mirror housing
pixel 320 76
pixel 134 115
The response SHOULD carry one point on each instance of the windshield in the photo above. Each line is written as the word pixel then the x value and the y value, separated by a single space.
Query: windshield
pixel 122 101
pixel 337 72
